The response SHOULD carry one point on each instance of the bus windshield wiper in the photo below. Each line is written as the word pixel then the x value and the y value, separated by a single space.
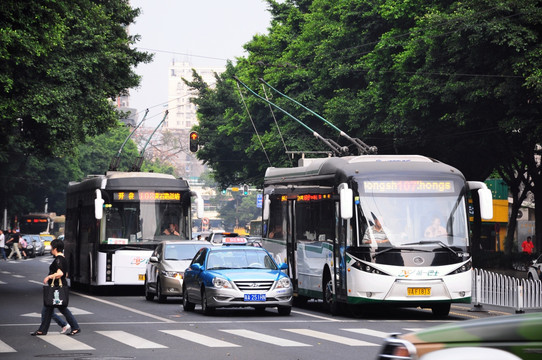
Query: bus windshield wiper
pixel 398 248
pixel 435 242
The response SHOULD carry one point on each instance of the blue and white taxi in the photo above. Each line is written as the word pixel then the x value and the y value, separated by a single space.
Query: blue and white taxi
pixel 236 275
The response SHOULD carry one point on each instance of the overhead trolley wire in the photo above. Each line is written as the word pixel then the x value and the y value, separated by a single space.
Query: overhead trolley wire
pixel 252 121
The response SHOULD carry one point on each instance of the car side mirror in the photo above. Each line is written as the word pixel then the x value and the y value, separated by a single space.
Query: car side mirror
pixel 195 267
pixel 153 259
pixel 283 266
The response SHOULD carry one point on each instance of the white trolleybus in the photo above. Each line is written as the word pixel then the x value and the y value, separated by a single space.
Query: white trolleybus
pixel 114 222
pixel 373 229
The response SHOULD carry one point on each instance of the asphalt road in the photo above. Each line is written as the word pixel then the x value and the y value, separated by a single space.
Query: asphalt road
pixel 123 325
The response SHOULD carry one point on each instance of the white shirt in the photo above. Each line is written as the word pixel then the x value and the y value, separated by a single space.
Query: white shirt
pixel 2 239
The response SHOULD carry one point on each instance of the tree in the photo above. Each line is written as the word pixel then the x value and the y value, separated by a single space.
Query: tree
pixel 459 81
pixel 61 64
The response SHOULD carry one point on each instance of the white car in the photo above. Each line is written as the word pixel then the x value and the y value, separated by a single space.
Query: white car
pixel 165 269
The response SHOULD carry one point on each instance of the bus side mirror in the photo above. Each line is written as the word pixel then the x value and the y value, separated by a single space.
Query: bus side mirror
pixel 98 205
pixel 200 207
pixel 486 199
pixel 486 204
pixel 346 198
pixel 266 206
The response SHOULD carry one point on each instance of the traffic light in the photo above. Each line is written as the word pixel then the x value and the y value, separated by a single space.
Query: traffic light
pixel 245 189
pixel 194 141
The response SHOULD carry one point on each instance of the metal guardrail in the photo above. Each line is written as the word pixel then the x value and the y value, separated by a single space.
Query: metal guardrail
pixel 501 290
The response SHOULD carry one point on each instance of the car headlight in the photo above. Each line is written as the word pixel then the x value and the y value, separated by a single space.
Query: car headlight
pixel 284 283
pixel 172 274
pixel 221 283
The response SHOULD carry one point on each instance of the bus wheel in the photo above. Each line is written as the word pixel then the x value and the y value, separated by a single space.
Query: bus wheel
pixel 148 295
pixel 441 310
pixel 327 295
pixel 161 297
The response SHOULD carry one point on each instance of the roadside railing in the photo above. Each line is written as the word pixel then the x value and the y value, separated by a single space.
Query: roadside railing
pixel 490 288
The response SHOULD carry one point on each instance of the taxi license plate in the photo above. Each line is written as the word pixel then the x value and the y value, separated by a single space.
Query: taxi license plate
pixel 418 291
pixel 141 277
pixel 254 297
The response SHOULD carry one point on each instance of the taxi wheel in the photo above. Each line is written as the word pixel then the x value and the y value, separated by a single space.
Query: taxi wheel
pixel 284 310
pixel 161 297
pixel 148 295
pixel 187 305
pixel 205 308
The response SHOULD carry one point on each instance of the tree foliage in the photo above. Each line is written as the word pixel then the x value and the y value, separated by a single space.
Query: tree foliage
pixel 459 81
pixel 61 65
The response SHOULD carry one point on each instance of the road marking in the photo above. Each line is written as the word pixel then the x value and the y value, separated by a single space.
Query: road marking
pixel 131 340
pixel 64 342
pixel 5 348
pixel 330 337
pixel 328 318
pixel 125 308
pixel 253 335
pixel 370 332
pixel 74 310
pixel 200 339
pixel 18 276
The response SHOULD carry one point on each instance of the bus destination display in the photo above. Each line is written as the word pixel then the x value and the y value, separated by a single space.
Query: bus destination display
pixel 408 186
pixel 146 196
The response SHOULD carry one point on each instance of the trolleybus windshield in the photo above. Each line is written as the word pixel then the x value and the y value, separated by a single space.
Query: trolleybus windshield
pixel 144 216
pixel 423 213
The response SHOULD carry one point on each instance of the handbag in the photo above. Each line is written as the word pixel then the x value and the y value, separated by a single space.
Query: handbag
pixel 56 295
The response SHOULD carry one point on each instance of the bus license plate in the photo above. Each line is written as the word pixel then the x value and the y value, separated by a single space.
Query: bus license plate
pixel 419 292
pixel 254 297
pixel 141 277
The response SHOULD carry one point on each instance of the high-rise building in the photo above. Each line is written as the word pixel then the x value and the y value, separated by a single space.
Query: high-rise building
pixel 182 113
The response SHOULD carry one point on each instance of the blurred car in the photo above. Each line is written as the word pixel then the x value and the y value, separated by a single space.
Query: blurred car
pixel 217 237
pixel 236 275
pixel 29 250
pixel 46 239
pixel 503 337
pixel 534 272
pixel 165 269
pixel 39 248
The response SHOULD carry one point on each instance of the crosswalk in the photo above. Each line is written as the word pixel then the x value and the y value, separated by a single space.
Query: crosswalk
pixel 229 338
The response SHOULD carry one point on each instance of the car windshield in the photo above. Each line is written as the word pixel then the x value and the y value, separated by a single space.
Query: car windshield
pixel 240 259
pixel 181 251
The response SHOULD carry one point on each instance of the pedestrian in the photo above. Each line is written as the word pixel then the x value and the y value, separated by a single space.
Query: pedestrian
pixel 527 246
pixel 14 240
pixel 2 244
pixel 57 270
pixel 60 322
pixel 22 246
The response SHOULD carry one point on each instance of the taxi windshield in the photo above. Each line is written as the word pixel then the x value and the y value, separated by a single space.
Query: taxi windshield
pixel 240 259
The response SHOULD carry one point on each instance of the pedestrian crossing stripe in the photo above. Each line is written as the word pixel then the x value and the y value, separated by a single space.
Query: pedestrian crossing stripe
pixel 331 337
pixel 5 348
pixel 66 343
pixel 200 339
pixel 131 340
pixel 264 338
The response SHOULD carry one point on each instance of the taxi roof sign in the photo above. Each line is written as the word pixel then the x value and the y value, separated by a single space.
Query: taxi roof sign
pixel 234 241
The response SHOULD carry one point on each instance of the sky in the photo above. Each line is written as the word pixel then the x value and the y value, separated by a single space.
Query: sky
pixel 205 33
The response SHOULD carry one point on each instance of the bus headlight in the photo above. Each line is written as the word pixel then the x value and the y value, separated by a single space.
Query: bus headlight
pixel 463 268
pixel 366 268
